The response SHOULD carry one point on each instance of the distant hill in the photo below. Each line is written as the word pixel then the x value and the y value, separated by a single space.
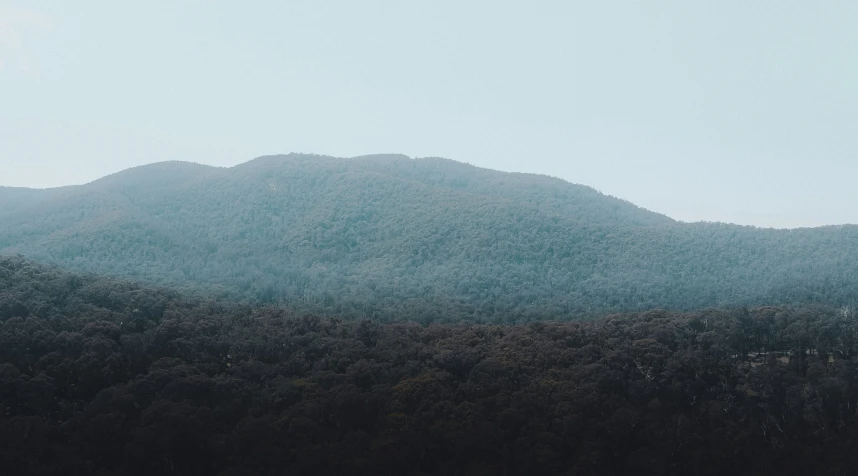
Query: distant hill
pixel 391 237
pixel 11 198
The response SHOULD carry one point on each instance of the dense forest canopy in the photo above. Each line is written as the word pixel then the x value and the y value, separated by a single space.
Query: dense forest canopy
pixel 104 377
pixel 389 237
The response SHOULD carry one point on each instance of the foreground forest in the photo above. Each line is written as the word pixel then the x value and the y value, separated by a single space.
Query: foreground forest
pixel 388 237
pixel 103 377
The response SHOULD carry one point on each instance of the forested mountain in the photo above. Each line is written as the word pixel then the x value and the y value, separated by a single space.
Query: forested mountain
pixel 11 198
pixel 391 237
pixel 102 377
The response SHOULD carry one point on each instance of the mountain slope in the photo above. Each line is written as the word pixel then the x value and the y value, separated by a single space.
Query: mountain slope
pixel 388 236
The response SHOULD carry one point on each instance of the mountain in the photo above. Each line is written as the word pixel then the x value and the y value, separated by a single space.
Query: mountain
pixel 14 197
pixel 390 237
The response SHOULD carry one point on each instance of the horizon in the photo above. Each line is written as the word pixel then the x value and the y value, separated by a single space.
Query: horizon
pixel 307 154
pixel 724 112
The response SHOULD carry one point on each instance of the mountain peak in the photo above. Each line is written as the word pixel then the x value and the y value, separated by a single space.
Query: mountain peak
pixel 160 174
pixel 390 234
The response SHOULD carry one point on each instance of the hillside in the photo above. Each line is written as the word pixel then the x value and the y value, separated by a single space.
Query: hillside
pixel 101 376
pixel 392 237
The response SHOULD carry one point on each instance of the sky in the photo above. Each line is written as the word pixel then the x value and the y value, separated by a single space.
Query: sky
pixel 727 110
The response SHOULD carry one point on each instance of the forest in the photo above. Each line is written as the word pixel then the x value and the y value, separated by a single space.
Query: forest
pixel 430 240
pixel 101 376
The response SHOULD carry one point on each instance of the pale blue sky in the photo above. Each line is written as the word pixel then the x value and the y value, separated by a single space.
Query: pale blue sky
pixel 738 111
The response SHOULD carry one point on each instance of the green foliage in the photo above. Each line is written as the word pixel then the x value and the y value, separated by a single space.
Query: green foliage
pixel 386 237
pixel 99 376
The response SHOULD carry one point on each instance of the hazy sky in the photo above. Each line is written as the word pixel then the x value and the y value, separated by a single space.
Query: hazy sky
pixel 727 110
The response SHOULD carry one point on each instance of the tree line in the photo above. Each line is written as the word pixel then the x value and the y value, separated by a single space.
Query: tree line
pixel 101 376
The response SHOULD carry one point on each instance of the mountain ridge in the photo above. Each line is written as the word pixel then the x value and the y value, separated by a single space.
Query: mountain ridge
pixel 7 191
pixel 386 236
pixel 278 160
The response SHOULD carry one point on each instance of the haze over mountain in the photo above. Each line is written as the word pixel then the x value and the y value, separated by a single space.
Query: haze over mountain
pixel 386 236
